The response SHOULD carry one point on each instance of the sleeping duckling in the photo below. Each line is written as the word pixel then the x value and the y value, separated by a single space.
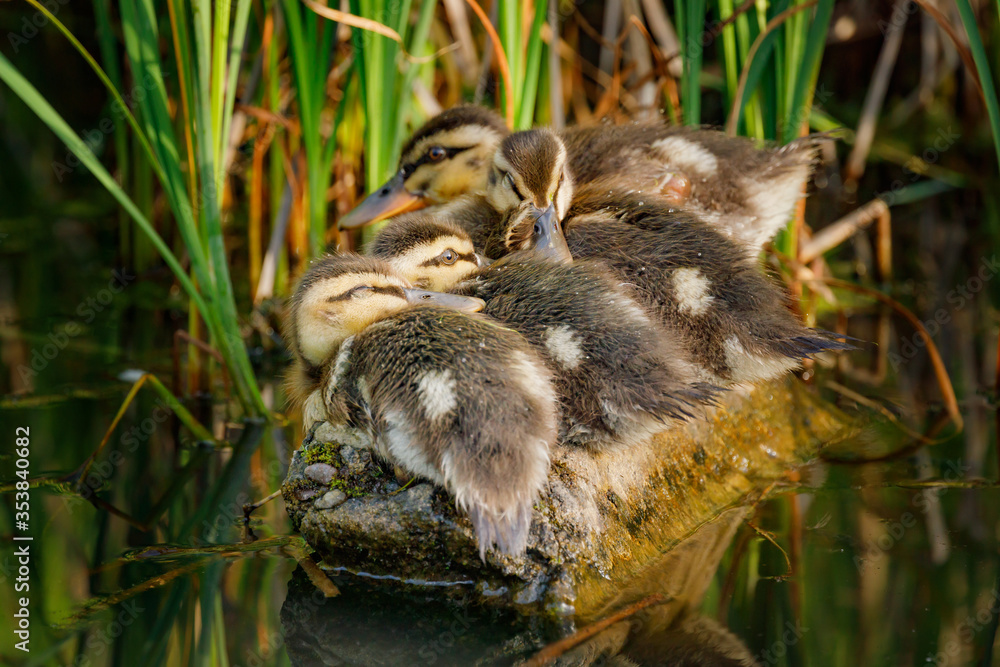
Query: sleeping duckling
pixel 744 192
pixel 306 372
pixel 456 399
pixel 748 193
pixel 618 376
pixel 731 320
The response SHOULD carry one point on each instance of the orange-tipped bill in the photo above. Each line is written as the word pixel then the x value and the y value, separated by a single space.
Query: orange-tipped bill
pixel 389 200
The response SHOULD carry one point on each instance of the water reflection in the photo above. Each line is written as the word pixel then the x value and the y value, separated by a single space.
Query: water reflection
pixel 375 623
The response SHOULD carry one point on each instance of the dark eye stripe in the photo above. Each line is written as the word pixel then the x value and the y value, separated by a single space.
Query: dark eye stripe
pixel 391 290
pixel 411 167
pixel 437 261
pixel 513 186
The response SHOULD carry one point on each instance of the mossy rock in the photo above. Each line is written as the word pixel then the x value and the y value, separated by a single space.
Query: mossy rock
pixel 604 520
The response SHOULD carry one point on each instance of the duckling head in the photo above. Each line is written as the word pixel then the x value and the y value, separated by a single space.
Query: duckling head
pixel 530 184
pixel 446 158
pixel 341 295
pixel 430 253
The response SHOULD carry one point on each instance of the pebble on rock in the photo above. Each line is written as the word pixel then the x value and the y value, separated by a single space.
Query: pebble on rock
pixel 330 500
pixel 320 472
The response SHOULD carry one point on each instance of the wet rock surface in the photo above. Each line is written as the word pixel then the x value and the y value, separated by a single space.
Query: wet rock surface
pixel 604 520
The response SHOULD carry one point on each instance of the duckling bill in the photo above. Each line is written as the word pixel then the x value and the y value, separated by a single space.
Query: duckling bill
pixel 447 396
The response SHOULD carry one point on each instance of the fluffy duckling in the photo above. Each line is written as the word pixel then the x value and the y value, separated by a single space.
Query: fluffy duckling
pixel 306 372
pixel 749 194
pixel 446 158
pixel 746 193
pixel 618 376
pixel 453 398
pixel 732 320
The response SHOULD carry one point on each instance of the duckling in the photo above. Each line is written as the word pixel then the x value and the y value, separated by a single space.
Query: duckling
pixel 732 320
pixel 744 192
pixel 617 374
pixel 445 395
pixel 449 156
pixel 749 194
pixel 305 374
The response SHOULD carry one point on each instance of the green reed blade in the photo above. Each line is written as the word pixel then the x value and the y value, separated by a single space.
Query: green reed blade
pixel 112 88
pixel 805 81
pixel 533 65
pixel 509 29
pixel 691 15
pixel 154 651
pixel 419 46
pixel 239 33
pixel 209 106
pixel 983 68
pixel 729 52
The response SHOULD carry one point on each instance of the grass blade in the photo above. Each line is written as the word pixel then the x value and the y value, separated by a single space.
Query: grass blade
pixel 805 82
pixel 982 68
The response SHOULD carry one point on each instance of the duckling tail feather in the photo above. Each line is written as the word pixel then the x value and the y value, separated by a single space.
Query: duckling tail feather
pixel 820 341
pixel 508 531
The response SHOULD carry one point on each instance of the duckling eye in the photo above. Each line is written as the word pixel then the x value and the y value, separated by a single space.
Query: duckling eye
pixel 508 180
pixel 449 256
pixel 361 291
pixel 436 153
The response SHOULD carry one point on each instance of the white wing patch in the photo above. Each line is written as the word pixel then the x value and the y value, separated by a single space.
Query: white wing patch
pixel 687 155
pixel 773 203
pixel 747 367
pixel 692 289
pixel 437 393
pixel 402 448
pixel 533 378
pixel 564 346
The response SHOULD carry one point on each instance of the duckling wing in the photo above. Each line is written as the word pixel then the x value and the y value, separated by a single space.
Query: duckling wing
pixel 464 403
pixel 731 319
pixel 617 376
pixel 746 192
